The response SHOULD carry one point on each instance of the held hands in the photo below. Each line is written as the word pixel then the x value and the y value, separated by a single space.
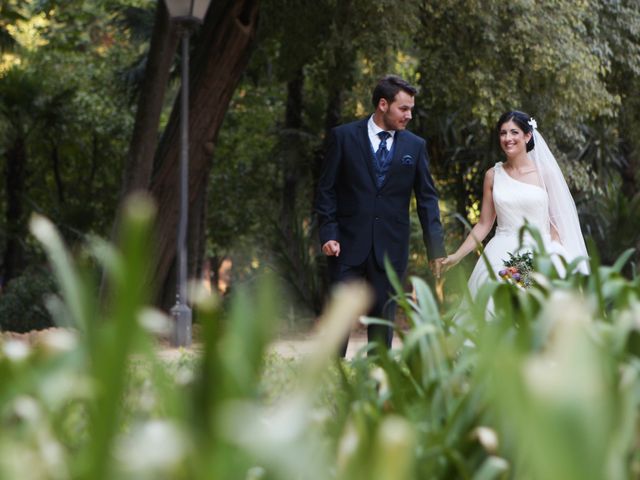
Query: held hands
pixel 450 261
pixel 331 248
pixel 436 266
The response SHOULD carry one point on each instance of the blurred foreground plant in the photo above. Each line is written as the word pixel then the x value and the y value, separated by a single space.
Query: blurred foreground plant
pixel 94 400
pixel 558 366
pixel 549 387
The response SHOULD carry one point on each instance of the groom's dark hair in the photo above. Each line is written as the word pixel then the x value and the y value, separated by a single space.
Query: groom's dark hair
pixel 388 87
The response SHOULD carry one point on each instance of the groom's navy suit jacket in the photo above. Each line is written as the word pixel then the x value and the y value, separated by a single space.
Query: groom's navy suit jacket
pixel 354 211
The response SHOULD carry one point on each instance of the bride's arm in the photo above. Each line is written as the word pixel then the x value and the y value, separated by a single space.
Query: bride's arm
pixel 482 228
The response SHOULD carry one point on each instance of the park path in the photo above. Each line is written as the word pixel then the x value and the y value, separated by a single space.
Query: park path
pixel 299 346
pixel 291 346
pixel 286 345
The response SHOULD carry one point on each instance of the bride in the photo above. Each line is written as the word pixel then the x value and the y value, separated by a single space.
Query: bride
pixel 528 186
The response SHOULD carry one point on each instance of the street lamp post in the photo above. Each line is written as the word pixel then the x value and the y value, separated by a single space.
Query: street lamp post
pixel 188 13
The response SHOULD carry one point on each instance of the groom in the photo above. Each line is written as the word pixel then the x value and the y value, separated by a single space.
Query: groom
pixel 370 168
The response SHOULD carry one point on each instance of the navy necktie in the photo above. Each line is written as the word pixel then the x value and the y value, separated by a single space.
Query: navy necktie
pixel 383 152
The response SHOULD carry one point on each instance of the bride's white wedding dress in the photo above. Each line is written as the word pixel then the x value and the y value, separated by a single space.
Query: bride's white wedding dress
pixel 515 202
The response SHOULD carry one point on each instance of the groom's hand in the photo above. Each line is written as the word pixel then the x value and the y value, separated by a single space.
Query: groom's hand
pixel 436 266
pixel 331 248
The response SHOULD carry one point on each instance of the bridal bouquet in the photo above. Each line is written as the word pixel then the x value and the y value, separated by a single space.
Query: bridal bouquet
pixel 518 269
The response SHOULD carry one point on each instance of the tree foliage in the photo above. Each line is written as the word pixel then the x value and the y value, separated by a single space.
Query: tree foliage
pixel 71 70
pixel 65 120
pixel 568 64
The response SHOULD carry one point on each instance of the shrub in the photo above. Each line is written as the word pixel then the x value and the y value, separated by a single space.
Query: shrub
pixel 22 304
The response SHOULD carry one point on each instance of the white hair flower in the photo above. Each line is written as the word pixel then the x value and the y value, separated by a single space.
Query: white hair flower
pixel 533 123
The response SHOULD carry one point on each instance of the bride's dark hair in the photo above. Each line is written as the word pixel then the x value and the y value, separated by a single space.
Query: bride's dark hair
pixel 521 119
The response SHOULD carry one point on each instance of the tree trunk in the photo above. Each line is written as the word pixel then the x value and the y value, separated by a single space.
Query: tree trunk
pixel 196 243
pixel 217 66
pixel 55 164
pixel 630 172
pixel 339 80
pixel 291 154
pixel 291 246
pixel 16 175
pixel 162 50
pixel 144 139
pixel 198 238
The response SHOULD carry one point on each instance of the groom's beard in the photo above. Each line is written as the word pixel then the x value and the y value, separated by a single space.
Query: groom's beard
pixel 393 123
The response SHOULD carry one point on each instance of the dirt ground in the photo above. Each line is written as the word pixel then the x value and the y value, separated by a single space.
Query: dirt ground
pixel 286 345
pixel 302 345
pixel 293 345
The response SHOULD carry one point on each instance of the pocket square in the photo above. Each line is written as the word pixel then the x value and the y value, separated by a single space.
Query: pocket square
pixel 407 160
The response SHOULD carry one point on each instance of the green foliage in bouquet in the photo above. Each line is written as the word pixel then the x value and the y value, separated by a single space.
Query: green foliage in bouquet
pixel 518 269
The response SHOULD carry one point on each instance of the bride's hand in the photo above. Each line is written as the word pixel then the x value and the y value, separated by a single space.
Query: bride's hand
pixel 450 261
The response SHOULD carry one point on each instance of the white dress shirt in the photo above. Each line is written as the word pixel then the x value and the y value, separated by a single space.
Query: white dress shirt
pixel 373 130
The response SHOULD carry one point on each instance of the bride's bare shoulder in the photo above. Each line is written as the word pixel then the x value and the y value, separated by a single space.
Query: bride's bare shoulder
pixel 488 176
pixel 491 171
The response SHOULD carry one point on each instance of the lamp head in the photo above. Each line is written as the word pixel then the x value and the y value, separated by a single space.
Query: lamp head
pixel 187 11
